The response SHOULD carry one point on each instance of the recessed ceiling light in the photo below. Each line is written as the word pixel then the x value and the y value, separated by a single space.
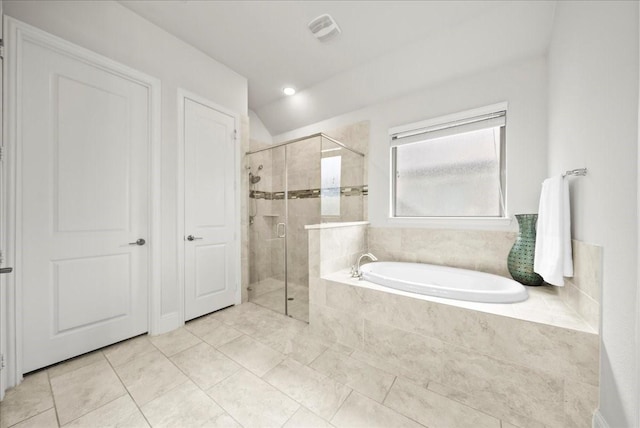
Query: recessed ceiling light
pixel 289 90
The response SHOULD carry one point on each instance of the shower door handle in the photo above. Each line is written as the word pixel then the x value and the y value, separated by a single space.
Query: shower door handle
pixel 284 230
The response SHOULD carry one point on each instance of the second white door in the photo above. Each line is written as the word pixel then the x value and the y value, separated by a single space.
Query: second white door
pixel 209 220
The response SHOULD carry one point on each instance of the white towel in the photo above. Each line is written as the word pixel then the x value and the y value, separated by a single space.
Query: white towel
pixel 553 258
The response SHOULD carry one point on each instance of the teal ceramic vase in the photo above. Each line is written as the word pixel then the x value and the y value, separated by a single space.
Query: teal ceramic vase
pixel 520 261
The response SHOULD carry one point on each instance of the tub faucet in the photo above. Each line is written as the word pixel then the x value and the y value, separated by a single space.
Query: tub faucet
pixel 355 270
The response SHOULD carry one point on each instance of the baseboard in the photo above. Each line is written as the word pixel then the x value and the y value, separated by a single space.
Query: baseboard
pixel 599 421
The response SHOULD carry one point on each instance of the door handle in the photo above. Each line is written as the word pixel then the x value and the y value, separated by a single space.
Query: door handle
pixel 138 242
pixel 284 230
pixel 193 238
pixel 6 270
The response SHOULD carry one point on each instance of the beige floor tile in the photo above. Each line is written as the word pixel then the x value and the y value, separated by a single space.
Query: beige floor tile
pixel 252 319
pixel 46 419
pixel 434 410
pixel 75 363
pixel 124 352
pixel 204 365
pixel 360 411
pixel 252 355
pixel 221 335
pixel 317 392
pixel 305 418
pixel 121 412
pixel 31 397
pixel 252 401
pixel 362 377
pixel 149 376
pixel 175 341
pixel 508 425
pixel 203 325
pixel 85 389
pixel 296 343
pixel 186 406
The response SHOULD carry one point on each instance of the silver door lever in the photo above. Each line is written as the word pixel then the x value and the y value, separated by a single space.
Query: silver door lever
pixel 193 238
pixel 6 270
pixel 138 242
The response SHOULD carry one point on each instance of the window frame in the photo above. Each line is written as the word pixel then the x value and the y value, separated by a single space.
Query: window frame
pixel 472 221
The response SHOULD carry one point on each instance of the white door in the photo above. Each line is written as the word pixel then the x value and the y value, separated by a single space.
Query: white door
pixel 209 221
pixel 83 178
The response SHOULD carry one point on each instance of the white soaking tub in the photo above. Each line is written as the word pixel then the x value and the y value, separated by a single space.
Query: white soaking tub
pixel 444 281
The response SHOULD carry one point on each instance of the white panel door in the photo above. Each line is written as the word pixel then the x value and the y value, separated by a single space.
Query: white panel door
pixel 209 220
pixel 83 177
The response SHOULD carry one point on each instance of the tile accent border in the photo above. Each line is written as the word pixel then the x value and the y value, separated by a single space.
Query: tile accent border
pixel 308 193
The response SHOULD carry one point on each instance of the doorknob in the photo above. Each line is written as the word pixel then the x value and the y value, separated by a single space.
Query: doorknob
pixel 193 238
pixel 138 242
pixel 6 270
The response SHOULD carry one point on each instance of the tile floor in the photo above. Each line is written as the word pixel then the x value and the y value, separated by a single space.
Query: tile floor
pixel 242 366
pixel 269 293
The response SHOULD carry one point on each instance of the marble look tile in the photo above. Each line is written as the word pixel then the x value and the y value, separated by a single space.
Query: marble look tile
pixel 124 352
pixel 496 384
pixel 252 354
pixel 221 335
pixel 580 402
pixel 75 363
pixel 336 326
pixel 252 319
pixel 31 397
pixel 304 418
pixel 202 326
pixel 296 343
pixel 78 392
pixel 508 425
pixel 419 358
pixel 253 402
pixel 121 412
pixel 434 410
pixel 587 268
pixel 204 365
pixel 46 419
pixel 360 411
pixel 315 391
pixel 317 291
pixel 505 413
pixel 186 406
pixel 367 380
pixel 175 341
pixel 150 376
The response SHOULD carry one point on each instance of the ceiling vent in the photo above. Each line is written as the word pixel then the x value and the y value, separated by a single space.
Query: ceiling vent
pixel 324 27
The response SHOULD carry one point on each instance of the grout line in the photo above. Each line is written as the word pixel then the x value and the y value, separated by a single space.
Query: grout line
pixel 341 404
pixel 53 398
pixel 389 390
pixel 125 386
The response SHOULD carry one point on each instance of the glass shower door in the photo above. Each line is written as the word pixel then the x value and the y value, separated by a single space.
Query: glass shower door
pixel 267 229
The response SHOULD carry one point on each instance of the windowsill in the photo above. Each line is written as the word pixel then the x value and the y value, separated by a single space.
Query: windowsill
pixel 483 223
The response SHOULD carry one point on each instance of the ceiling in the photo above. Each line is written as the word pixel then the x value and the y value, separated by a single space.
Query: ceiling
pixel 269 43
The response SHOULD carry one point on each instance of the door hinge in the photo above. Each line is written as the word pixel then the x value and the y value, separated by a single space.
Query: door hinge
pixel 2 362
pixel 1 153
pixel 1 257
pixel 235 134
pixel 1 49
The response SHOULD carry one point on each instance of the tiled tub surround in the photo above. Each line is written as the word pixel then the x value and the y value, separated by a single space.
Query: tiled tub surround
pixel 582 292
pixel 487 251
pixel 532 364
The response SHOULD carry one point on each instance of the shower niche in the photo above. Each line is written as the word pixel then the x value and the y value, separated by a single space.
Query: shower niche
pixel 311 180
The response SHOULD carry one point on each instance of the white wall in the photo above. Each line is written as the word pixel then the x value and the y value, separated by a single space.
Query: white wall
pixel 114 31
pixel 522 84
pixel 258 131
pixel 593 123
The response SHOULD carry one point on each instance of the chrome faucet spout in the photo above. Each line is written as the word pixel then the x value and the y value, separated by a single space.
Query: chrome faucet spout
pixel 355 271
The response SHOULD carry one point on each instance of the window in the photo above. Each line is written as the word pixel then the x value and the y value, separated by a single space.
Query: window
pixel 451 168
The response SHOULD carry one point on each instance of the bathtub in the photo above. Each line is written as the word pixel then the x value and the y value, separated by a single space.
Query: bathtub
pixel 443 281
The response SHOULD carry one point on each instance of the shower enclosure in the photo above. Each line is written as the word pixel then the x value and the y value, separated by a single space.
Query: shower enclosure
pixel 311 180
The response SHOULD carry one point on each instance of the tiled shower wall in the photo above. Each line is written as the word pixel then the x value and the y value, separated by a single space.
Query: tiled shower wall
pixel 264 251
